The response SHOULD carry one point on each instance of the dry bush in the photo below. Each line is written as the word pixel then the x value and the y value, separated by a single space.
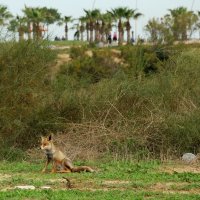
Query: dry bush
pixel 85 141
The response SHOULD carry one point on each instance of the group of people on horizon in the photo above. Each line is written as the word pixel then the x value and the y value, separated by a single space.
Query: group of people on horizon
pixel 110 38
pixel 59 39
pixel 114 38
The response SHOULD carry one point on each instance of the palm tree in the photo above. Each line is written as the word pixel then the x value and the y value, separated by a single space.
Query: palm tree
pixel 90 25
pixel 82 21
pixel 28 15
pixel 119 14
pixel 13 25
pixel 130 13
pixel 34 17
pixel 50 15
pixel 38 17
pixel 18 25
pixel 155 29
pixel 96 15
pixel 102 28
pixel 4 15
pixel 66 20
pixel 182 22
pixel 92 18
pixel 106 25
pixel 87 27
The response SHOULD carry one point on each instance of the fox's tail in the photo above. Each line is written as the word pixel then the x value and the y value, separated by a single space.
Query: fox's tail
pixel 68 165
pixel 82 168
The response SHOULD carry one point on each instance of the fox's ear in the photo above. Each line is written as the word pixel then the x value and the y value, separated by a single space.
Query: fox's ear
pixel 49 137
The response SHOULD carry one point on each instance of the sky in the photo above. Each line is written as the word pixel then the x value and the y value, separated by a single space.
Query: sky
pixel 150 9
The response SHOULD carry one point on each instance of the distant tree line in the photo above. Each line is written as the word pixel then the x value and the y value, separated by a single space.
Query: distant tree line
pixel 179 24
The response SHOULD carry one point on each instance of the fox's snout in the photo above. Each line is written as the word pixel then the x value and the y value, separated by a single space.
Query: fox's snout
pixel 41 147
pixel 45 146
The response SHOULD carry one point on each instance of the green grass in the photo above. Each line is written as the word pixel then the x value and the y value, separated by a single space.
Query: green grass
pixel 113 180
pixel 142 116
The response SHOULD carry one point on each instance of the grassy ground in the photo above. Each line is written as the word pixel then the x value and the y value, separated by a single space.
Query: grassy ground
pixel 114 180
pixel 146 114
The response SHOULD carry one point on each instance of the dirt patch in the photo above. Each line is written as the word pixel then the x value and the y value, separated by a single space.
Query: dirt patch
pixel 117 60
pixel 89 53
pixel 180 168
pixel 170 188
pixel 167 186
pixel 61 59
pixel 118 182
pixel 116 52
pixel 59 47
pixel 4 177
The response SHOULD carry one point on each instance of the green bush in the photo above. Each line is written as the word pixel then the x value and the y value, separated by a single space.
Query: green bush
pixel 24 86
pixel 145 59
pixel 153 116
pixel 99 65
pixel 101 103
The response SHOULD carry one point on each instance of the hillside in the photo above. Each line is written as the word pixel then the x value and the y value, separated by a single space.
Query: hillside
pixel 132 101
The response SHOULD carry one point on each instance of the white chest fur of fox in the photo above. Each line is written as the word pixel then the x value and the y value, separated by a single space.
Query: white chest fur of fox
pixel 60 162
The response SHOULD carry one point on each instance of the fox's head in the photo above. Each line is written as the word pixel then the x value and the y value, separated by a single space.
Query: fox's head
pixel 46 143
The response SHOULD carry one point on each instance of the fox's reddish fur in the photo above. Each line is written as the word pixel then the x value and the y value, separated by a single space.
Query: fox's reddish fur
pixel 60 163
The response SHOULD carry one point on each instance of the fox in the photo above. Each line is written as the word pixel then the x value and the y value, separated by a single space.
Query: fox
pixel 60 162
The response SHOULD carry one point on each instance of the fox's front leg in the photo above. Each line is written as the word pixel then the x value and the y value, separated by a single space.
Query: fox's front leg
pixel 53 167
pixel 46 164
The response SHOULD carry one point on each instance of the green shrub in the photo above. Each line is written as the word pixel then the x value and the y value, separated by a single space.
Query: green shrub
pixel 145 59
pixel 94 67
pixel 100 103
pixel 24 86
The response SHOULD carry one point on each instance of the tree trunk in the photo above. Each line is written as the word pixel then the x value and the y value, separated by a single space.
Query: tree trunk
pixel 91 32
pixel 87 31
pixel 103 37
pixel 102 32
pixel 66 32
pixel 128 29
pixel 21 34
pixel 81 35
pixel 66 35
pixel 41 29
pixel 88 35
pixel 82 29
pixel 128 36
pixel 91 36
pixel 38 31
pixel 47 31
pixel 120 31
pixel 184 35
pixel 97 28
pixel 29 31
pixel 34 31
